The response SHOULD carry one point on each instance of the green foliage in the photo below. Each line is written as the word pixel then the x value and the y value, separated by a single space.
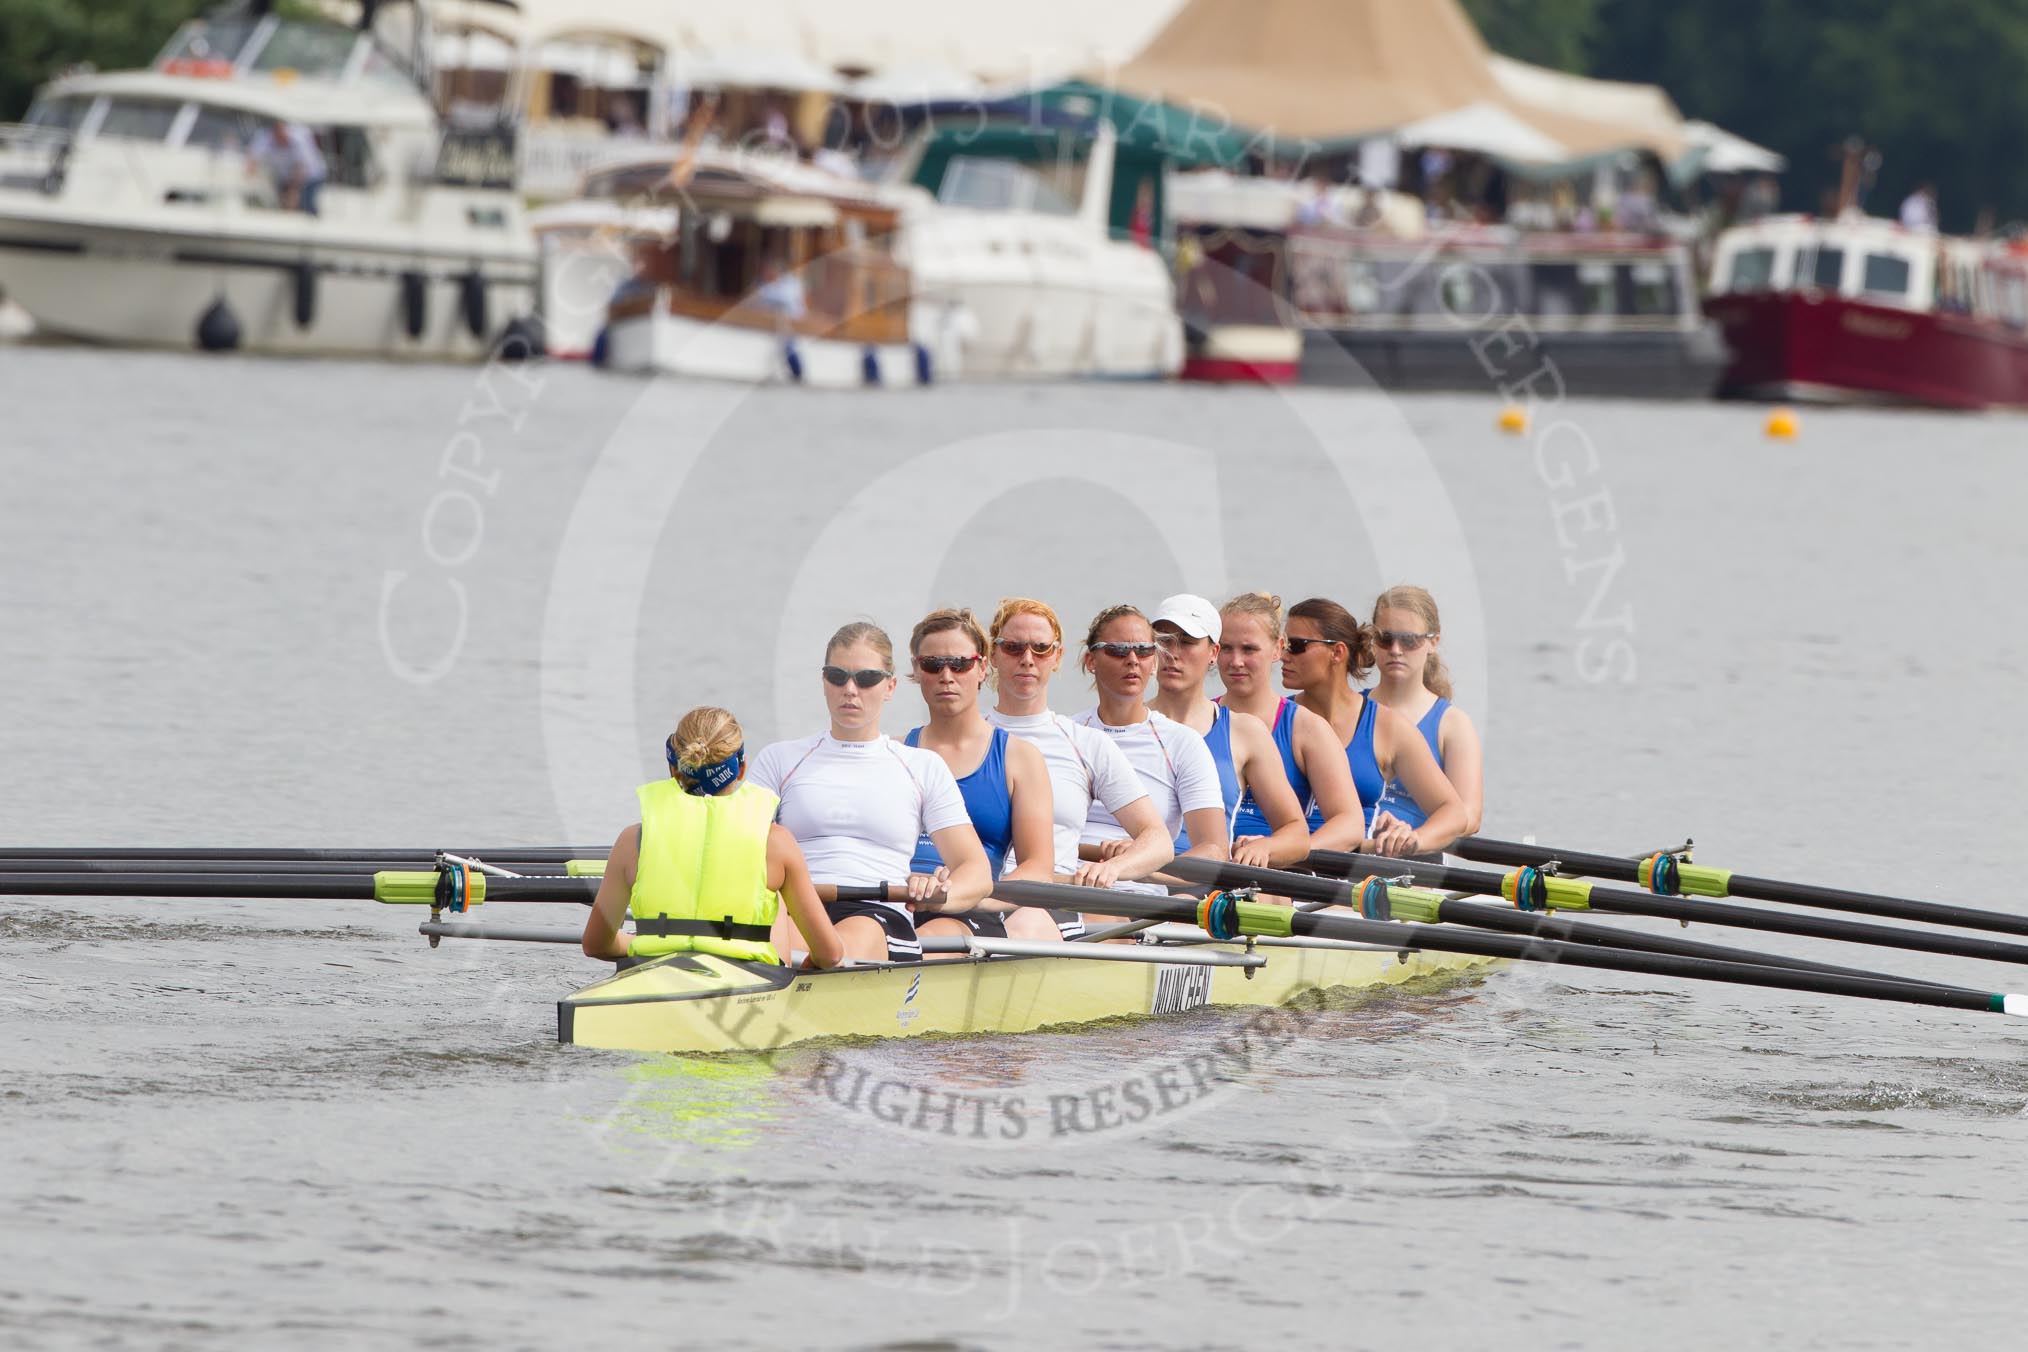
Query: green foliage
pixel 1935 84
pixel 1557 33
pixel 39 38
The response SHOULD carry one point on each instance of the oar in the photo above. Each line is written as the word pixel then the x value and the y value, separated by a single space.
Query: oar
pixel 1698 880
pixel 1431 908
pixel 394 887
pixel 25 858
pixel 572 868
pixel 1532 890
pixel 1227 917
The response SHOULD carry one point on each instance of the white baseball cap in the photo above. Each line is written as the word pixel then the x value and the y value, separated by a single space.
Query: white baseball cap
pixel 1194 615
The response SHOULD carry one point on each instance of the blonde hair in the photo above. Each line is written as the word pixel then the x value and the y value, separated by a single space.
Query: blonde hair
pixel 1263 606
pixel 943 621
pixel 1106 617
pixel 705 736
pixel 1024 605
pixel 1336 624
pixel 1436 677
pixel 863 631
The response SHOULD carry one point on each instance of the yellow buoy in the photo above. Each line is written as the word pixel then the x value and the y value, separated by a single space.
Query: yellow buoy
pixel 1514 418
pixel 1782 424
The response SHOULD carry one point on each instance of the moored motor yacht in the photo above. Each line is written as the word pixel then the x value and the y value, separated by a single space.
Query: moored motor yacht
pixel 1856 309
pixel 132 214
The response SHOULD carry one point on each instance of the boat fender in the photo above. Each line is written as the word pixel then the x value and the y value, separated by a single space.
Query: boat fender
pixel 601 349
pixel 793 360
pixel 520 340
pixel 472 302
pixel 869 366
pixel 415 303
pixel 218 327
pixel 304 275
pixel 923 372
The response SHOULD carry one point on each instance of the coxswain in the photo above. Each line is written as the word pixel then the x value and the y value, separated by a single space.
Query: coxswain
pixel 1003 779
pixel 706 867
pixel 1313 760
pixel 1084 765
pixel 857 801
pixel 1323 652
pixel 1413 681
pixel 1248 761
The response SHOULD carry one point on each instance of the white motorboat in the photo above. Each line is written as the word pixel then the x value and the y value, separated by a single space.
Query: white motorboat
pixel 131 213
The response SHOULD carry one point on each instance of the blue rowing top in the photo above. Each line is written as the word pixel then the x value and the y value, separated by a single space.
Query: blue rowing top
pixel 1365 763
pixel 1397 799
pixel 987 802
pixel 1219 740
pixel 1247 819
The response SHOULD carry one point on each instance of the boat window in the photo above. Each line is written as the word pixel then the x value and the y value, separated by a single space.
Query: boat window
pixel 62 114
pixel 307 48
pixel 1651 290
pixel 1752 270
pixel 1886 275
pixel 348 155
pixel 222 128
pixel 204 41
pixel 1000 185
pixel 139 119
pixel 1829 269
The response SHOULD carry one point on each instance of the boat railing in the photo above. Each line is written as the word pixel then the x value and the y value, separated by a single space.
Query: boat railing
pixel 34 157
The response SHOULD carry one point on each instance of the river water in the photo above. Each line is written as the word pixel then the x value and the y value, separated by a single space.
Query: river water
pixel 266 602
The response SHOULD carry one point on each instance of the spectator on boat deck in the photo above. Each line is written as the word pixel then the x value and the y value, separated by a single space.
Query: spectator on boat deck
pixel 781 291
pixel 1918 209
pixel 287 152
pixel 1318 208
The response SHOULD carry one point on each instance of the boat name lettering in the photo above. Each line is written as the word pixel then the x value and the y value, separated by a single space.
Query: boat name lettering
pixel 1181 987
pixel 1875 326
pixel 476 157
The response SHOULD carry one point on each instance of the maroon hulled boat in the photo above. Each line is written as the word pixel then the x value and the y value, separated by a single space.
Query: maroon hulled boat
pixel 1858 310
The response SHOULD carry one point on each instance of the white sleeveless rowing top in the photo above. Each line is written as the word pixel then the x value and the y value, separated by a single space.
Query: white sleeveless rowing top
pixel 858 808
pixel 1174 764
pixel 1084 768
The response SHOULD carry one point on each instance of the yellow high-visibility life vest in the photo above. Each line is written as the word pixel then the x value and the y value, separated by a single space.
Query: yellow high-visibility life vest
pixel 701 885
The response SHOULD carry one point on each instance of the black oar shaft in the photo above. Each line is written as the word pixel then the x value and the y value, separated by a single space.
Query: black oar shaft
pixel 1514 854
pixel 1444 939
pixel 410 858
pixel 275 887
pixel 244 867
pixel 1621 901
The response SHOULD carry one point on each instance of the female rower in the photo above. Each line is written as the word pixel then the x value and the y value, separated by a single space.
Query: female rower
pixel 1003 779
pixel 1313 758
pixel 1172 760
pixel 706 867
pixel 1186 630
pixel 857 801
pixel 1414 683
pixel 1084 766
pixel 1324 650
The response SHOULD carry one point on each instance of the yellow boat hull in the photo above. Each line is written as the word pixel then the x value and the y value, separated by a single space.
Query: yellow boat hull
pixel 694 1003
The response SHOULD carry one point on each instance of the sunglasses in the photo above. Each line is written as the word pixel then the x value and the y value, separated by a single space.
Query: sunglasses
pixel 1299 646
pixel 1124 649
pixel 1014 649
pixel 1387 639
pixel 937 665
pixel 865 678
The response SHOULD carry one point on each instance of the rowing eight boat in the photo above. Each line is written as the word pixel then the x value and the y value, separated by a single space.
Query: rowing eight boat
pixel 696 1003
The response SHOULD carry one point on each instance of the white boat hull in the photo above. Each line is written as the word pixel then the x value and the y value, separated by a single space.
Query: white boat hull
pixel 663 343
pixel 149 288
